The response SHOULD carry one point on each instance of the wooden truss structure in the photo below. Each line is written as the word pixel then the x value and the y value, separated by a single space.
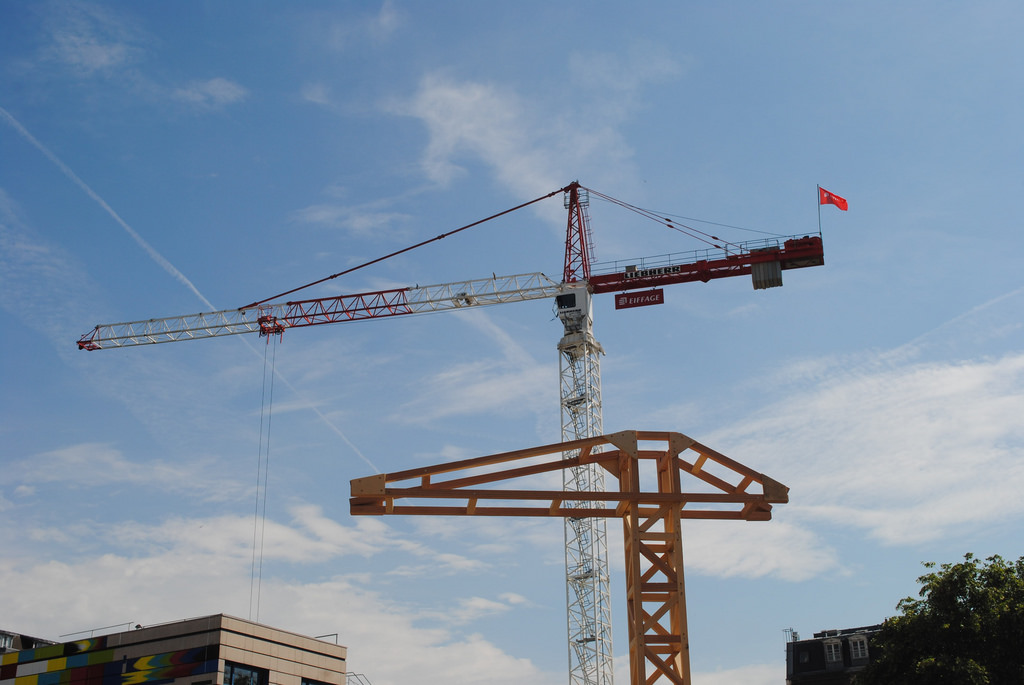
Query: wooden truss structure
pixel 650 467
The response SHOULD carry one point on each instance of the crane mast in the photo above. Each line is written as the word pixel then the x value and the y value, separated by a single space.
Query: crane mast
pixel 588 594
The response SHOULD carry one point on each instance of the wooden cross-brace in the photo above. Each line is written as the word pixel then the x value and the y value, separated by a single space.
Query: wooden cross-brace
pixel 649 467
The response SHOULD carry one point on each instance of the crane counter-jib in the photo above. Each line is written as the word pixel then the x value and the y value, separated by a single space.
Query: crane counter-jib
pixel 757 258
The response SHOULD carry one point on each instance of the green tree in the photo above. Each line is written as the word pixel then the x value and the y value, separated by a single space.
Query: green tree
pixel 966 628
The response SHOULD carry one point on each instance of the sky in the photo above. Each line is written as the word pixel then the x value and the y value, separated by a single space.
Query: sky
pixel 160 159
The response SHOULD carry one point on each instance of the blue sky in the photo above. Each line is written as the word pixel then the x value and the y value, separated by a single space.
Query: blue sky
pixel 159 159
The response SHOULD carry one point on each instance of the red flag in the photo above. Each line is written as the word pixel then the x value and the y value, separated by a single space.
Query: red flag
pixel 827 198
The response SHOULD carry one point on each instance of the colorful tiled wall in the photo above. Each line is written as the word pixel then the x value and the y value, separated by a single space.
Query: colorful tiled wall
pixel 90 662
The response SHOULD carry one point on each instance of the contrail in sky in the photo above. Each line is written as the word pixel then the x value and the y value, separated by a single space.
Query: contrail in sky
pixel 156 256
pixel 150 250
pixel 977 309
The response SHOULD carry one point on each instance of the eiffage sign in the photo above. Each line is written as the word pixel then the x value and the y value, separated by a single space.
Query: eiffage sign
pixel 639 299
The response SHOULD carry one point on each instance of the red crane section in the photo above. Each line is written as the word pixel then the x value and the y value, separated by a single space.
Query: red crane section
pixel 764 260
pixel 578 241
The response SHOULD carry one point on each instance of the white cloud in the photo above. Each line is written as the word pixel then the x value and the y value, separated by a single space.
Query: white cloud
pixel 308 538
pixel 477 388
pixel 489 537
pixel 24 491
pixel 728 549
pixel 90 38
pixel 512 598
pixel 317 93
pixel 913 451
pixel 203 566
pixel 39 277
pixel 429 654
pixel 507 384
pixel 477 119
pixel 97 465
pixel 469 121
pixel 471 608
pixel 212 93
pixel 115 588
pixel 530 148
pixel 354 30
pixel 387 21
pixel 358 221
pixel 93 40
pixel 534 143
pixel 619 77
pixel 762 674
pixel 441 563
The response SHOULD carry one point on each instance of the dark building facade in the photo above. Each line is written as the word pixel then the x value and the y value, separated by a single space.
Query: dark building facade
pixel 832 657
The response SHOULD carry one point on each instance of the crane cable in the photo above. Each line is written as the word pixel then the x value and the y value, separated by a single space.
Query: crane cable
pixel 674 225
pixel 404 250
pixel 654 216
pixel 671 221
pixel 259 523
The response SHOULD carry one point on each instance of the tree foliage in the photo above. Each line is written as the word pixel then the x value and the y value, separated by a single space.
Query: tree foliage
pixel 966 628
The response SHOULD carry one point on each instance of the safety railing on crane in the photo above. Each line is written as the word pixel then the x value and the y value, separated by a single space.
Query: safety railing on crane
pixel 706 254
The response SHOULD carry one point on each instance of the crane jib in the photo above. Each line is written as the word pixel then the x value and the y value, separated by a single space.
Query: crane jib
pixel 274 319
pixel 347 308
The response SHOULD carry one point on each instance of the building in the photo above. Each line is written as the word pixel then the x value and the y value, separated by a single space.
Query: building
pixel 211 650
pixel 13 642
pixel 832 657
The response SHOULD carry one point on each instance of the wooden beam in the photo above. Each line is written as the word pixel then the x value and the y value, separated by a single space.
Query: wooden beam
pixel 655 593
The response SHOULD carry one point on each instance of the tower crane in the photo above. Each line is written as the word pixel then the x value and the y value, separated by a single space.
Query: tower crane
pixel 634 283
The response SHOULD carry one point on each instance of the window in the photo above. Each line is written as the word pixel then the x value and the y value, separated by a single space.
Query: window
pixel 237 674
pixel 833 651
pixel 6 641
pixel 858 647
